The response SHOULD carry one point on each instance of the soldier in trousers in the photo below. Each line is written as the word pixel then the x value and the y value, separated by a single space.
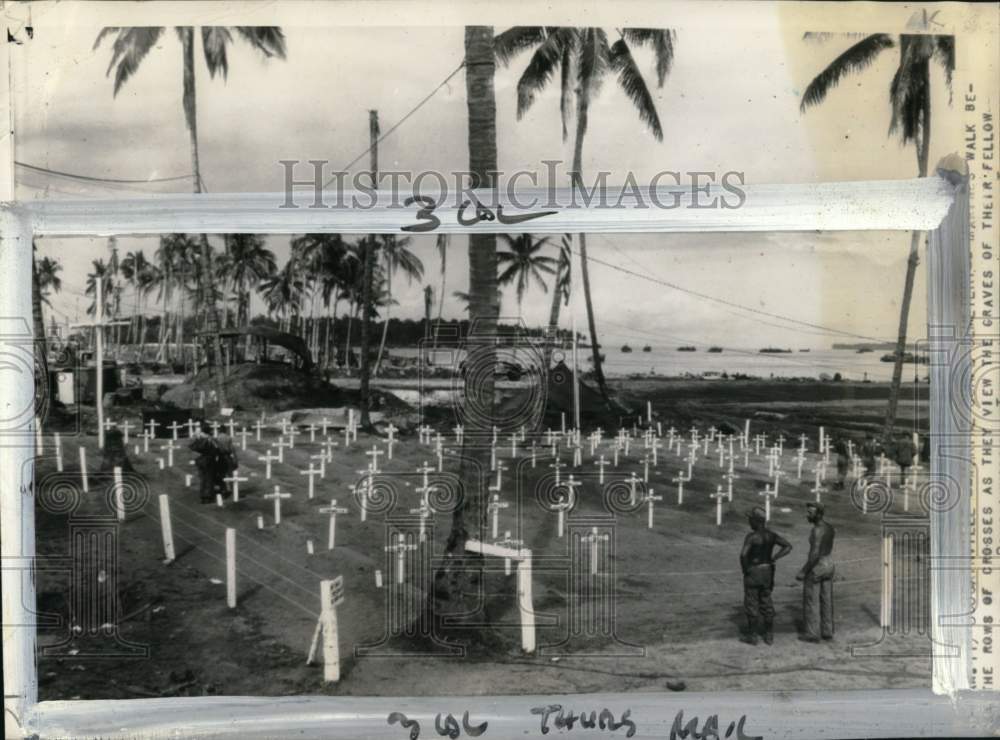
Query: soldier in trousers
pixel 817 578
pixel 757 562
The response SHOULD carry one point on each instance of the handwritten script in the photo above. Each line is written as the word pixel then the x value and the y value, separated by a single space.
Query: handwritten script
pixel 446 727
pixel 564 720
pixel 709 731
pixel 429 222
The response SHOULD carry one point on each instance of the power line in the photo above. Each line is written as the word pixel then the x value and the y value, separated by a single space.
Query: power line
pixel 400 122
pixel 89 178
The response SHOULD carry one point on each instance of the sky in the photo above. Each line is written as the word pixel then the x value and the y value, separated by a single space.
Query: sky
pixel 731 102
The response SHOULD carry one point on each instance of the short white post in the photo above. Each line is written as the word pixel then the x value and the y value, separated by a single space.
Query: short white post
pixel 886 616
pixel 167 528
pixel 83 470
pixel 718 496
pixel 59 455
pixel 231 567
pixel 650 498
pixel 119 494
pixel 525 602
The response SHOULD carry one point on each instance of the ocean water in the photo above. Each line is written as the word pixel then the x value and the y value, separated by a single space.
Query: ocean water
pixel 669 362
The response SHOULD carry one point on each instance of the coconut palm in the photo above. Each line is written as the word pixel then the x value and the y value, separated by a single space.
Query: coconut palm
pixel 100 272
pixel 131 46
pixel 910 119
pixel 584 58
pixel 320 257
pixel 282 293
pixel 135 269
pixel 247 263
pixel 522 263
pixel 396 255
pixel 44 279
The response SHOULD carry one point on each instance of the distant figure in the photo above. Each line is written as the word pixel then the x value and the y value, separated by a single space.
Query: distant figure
pixel 208 464
pixel 757 560
pixel 904 452
pixel 817 578
pixel 843 462
pixel 869 449
pixel 227 460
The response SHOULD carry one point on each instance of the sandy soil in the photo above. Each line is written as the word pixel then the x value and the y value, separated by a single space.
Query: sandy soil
pixel 678 611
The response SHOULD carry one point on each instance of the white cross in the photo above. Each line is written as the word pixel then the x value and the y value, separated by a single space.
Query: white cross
pixel 632 480
pixel 236 480
pixel 347 436
pixel 767 493
pixel 511 543
pixel 425 470
pixel 332 510
pixel 680 480
pixel 557 464
pixel 650 498
pixel 730 477
pixel 312 432
pixel 601 463
pixel 322 457
pixel 493 508
pixel 561 507
pixel 277 496
pixel 593 541
pixel 268 458
pixel 190 426
pixel 215 427
pixel 325 425
pixel 281 444
pixel 292 433
pixel 500 468
pixel 374 453
pixel 424 511
pixel 400 548
pixel 243 438
pixel 258 425
pixel 312 473
pixel 718 496
pixel 152 424
pixel 778 475
pixel 533 454
pixel 458 430
pixel 169 447
pixel 232 426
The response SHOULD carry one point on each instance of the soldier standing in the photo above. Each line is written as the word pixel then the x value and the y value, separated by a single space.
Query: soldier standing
pixel 817 578
pixel 757 560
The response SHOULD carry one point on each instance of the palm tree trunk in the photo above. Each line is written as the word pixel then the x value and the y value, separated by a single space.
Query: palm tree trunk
pixel 461 581
pixel 554 316
pixel 923 152
pixel 366 303
pixel 583 104
pixel 37 320
pixel 347 341
pixel 437 324
pixel 385 323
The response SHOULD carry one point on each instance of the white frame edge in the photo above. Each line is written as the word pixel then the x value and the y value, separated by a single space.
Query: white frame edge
pixel 937 204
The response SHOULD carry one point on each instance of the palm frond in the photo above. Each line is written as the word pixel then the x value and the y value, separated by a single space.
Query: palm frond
pixel 269 40
pixel 944 52
pixel 214 40
pixel 539 71
pixel 661 40
pixel 130 47
pixel 631 81
pixel 593 59
pixel 855 59
pixel 514 40
pixel 910 86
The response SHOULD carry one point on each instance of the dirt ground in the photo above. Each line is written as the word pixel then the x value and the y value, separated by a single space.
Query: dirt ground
pixel 678 598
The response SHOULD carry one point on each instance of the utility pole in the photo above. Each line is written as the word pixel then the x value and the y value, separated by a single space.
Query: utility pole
pixel 366 293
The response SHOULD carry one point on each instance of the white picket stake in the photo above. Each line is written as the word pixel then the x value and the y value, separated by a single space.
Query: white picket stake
pixel 83 470
pixel 167 529
pixel 119 494
pixel 59 457
pixel 231 567
pixel 886 616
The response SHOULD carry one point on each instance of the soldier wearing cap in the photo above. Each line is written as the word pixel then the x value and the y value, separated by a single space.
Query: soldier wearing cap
pixel 757 560
pixel 817 578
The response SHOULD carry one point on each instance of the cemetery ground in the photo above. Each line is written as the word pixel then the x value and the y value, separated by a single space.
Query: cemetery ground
pixel 678 591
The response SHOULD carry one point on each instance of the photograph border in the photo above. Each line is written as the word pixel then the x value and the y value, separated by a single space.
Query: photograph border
pixel 939 205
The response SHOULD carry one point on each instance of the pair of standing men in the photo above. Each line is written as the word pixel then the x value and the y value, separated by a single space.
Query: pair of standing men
pixel 757 560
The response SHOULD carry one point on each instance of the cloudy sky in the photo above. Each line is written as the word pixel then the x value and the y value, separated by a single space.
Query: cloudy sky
pixel 731 102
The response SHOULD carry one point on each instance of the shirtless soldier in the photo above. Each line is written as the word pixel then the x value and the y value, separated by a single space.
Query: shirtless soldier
pixel 817 578
pixel 757 561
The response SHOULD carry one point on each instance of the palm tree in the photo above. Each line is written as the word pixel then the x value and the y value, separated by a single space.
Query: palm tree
pixel 524 264
pixel 910 118
pixel 396 255
pixel 248 262
pixel 100 271
pixel 44 278
pixel 584 58
pixel 457 585
pixel 135 269
pixel 129 49
pixel 282 292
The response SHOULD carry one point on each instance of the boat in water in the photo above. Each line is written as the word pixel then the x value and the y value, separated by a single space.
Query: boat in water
pixel 647 348
pixel 715 350
pixel 626 349
pixel 686 348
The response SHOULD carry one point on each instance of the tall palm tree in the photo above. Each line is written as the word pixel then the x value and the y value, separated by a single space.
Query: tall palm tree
pixel 248 262
pixel 584 58
pixel 129 49
pixel 282 292
pixel 910 119
pixel 457 586
pixel 100 271
pixel 135 270
pixel 44 279
pixel 522 263
pixel 396 255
